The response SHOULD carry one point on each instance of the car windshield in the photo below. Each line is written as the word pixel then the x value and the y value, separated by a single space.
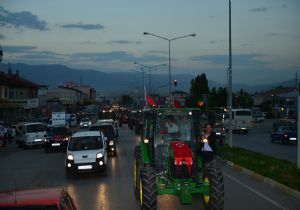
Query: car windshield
pixel 288 129
pixel 107 130
pixel 85 143
pixel 58 131
pixel 35 128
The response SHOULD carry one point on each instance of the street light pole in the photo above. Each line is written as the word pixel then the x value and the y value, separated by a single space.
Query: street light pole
pixel 230 82
pixel 169 40
pixel 150 68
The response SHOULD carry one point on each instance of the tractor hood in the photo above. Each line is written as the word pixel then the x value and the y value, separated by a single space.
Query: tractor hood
pixel 182 154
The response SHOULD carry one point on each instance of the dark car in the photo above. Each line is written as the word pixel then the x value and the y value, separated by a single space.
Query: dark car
pixel 58 137
pixel 108 131
pixel 40 198
pixel 220 131
pixel 284 134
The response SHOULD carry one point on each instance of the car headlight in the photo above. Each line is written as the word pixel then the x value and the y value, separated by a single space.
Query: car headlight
pixel 99 155
pixel 111 143
pixel 70 157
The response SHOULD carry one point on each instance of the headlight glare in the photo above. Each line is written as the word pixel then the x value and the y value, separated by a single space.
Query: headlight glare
pixel 99 155
pixel 70 157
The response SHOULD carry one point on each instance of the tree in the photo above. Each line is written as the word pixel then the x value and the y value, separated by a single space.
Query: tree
pixel 199 88
pixel 126 100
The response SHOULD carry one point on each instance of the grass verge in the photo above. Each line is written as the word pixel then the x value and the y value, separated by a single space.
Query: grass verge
pixel 278 170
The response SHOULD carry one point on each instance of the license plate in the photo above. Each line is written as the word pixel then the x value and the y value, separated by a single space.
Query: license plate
pixel 85 167
pixel 55 144
pixel 37 139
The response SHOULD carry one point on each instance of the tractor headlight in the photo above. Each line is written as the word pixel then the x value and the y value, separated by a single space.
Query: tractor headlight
pixel 111 143
pixel 146 141
pixel 204 140
pixel 66 139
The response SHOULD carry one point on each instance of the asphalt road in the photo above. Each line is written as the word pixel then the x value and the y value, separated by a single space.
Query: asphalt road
pixel 113 190
pixel 258 139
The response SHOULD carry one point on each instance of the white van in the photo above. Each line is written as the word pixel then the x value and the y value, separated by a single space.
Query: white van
pixel 242 120
pixel 30 134
pixel 86 152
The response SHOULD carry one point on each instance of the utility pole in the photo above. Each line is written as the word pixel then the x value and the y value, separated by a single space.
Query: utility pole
pixel 230 83
pixel 298 123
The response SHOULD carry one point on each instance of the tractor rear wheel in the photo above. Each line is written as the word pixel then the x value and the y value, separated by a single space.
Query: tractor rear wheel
pixel 148 195
pixel 214 178
pixel 136 171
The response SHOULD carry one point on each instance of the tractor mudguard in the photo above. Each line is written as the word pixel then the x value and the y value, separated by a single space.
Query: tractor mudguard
pixel 145 153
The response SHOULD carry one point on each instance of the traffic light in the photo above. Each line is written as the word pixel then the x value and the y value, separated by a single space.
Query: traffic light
pixel 175 82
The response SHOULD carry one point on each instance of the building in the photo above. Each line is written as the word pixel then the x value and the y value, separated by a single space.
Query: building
pixel 18 97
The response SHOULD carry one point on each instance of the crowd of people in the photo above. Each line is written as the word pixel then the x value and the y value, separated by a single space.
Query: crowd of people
pixel 7 135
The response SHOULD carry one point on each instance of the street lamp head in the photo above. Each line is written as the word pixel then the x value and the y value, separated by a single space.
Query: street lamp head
pixel 193 35
pixel 145 33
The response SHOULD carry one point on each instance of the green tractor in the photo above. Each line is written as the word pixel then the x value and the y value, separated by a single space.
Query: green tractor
pixel 167 161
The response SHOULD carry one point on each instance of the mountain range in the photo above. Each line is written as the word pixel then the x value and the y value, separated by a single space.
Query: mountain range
pixel 119 82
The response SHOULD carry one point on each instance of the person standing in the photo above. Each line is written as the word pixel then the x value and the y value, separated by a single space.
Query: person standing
pixel 9 134
pixel 208 144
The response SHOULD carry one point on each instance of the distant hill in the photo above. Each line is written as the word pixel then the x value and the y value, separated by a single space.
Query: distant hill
pixel 118 82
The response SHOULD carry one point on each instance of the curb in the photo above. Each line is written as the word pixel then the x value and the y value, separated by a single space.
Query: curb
pixel 263 179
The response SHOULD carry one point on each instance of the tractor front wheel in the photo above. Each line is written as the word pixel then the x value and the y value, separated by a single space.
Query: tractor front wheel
pixel 136 171
pixel 214 178
pixel 148 195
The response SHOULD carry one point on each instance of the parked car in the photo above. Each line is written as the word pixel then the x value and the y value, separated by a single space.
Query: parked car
pixel 110 133
pixel 85 122
pixel 40 198
pixel 284 134
pixel 86 152
pixel 220 131
pixel 30 134
pixel 259 117
pixel 58 137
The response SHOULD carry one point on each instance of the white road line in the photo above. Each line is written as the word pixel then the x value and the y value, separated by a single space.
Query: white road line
pixel 256 192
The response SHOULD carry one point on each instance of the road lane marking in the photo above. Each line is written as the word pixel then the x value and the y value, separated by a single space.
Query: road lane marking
pixel 256 192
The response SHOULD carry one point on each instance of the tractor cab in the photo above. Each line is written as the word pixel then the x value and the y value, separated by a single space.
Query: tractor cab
pixel 167 159
pixel 170 126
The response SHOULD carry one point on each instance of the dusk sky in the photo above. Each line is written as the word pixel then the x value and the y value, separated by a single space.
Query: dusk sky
pixel 108 36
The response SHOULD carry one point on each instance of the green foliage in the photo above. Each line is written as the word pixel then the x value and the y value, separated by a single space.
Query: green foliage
pixel 126 100
pixel 199 87
pixel 217 97
pixel 281 171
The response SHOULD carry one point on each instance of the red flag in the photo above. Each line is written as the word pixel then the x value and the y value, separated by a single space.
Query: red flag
pixel 176 103
pixel 150 101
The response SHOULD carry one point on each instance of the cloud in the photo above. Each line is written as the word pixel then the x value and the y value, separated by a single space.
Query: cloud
pixel 18 49
pixel 88 42
pixel 21 19
pixel 273 34
pixel 245 59
pixel 157 51
pixel 124 42
pixel 116 55
pixel 2 37
pixel 260 9
pixel 84 26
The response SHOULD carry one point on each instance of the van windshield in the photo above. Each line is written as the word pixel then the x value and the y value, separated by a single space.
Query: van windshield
pixel 85 143
pixel 34 128
pixel 243 113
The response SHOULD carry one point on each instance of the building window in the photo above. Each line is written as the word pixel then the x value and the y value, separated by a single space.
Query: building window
pixel 6 93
